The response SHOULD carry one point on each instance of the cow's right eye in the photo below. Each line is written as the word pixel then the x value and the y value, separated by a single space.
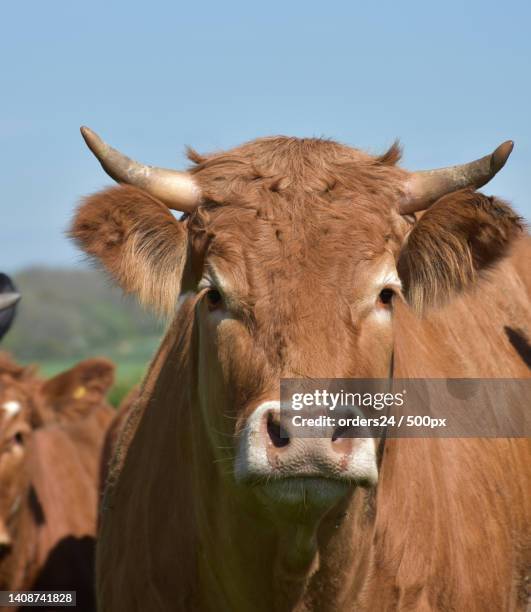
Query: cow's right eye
pixel 386 296
pixel 214 299
pixel 18 438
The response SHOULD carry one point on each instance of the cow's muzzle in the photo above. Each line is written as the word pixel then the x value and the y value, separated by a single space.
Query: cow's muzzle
pixel 292 469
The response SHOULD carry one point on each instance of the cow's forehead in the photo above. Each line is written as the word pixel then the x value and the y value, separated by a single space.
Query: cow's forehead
pixel 332 238
pixel 284 208
pixel 13 397
pixel 10 407
pixel 12 414
pixel 297 189
pixel 270 271
pixel 291 169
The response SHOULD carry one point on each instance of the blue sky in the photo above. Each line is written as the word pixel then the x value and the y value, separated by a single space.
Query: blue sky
pixel 450 79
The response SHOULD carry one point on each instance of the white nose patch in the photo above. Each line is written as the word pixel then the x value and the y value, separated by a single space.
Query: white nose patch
pixel 252 454
pixel 11 408
pixel 251 459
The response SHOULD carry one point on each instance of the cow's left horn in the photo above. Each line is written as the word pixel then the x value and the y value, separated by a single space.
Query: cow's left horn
pixel 177 190
pixel 8 299
pixel 423 188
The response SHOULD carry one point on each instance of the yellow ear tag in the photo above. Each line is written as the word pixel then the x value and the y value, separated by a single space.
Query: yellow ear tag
pixel 79 393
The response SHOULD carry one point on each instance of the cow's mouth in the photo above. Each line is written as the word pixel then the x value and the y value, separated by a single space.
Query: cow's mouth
pixel 303 492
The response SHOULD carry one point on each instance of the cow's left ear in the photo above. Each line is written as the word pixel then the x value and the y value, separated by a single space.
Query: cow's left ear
pixel 461 236
pixel 78 390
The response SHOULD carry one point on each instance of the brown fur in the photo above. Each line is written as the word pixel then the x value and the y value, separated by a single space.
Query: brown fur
pixel 49 475
pixel 115 432
pixel 10 367
pixel 298 230
pixel 123 237
pixel 22 384
pixel 463 235
pixel 75 394
pixel 69 396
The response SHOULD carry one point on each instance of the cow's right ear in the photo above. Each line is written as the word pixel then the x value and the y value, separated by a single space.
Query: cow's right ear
pixel 138 241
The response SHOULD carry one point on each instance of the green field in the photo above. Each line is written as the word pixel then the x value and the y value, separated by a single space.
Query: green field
pixel 68 315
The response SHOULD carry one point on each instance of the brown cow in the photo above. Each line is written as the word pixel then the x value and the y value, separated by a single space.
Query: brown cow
pixel 303 258
pixel 49 476
pixel 15 427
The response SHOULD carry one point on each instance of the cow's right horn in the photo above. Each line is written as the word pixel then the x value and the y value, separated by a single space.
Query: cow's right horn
pixel 177 190
pixel 8 299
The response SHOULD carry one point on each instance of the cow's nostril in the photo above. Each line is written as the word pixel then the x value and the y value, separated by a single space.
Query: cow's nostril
pixel 5 548
pixel 341 432
pixel 342 442
pixel 277 434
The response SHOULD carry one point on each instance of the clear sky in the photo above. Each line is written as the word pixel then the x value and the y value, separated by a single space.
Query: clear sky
pixel 451 79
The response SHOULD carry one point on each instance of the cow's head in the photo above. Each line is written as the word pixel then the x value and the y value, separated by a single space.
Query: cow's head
pixel 15 429
pixel 292 252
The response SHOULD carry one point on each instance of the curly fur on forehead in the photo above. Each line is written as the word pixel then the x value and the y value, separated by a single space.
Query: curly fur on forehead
pixel 296 167
pixel 307 190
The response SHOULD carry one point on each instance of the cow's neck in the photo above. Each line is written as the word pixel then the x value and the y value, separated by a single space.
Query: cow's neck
pixel 256 558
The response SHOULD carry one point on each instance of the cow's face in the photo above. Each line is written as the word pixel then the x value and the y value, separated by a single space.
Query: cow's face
pixel 293 262
pixel 14 435
pixel 309 296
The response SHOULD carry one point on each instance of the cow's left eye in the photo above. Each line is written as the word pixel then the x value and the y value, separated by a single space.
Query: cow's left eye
pixel 386 296
pixel 18 438
pixel 214 299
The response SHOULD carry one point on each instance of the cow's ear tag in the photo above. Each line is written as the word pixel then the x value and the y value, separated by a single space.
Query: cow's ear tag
pixel 79 393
